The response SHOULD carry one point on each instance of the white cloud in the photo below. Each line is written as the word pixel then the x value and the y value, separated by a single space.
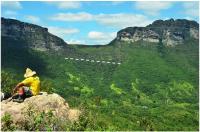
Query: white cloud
pixel 101 37
pixel 65 4
pixel 117 2
pixel 10 17
pixel 188 18
pixel 81 16
pixel 152 7
pixel 122 20
pixel 11 5
pixel 191 8
pixel 119 20
pixel 10 13
pixel 72 41
pixel 96 35
pixel 32 19
pixel 62 32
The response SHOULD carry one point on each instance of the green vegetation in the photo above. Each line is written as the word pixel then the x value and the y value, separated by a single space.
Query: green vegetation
pixel 8 81
pixel 161 48
pixel 148 91
pixel 7 123
pixel 46 121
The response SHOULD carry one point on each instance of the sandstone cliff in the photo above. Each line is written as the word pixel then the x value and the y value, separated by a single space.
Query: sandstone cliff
pixel 172 32
pixel 36 37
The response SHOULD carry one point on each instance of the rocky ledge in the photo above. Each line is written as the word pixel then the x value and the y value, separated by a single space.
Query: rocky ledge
pixel 41 103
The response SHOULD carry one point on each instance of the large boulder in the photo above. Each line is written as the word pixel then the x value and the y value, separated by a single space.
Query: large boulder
pixel 42 103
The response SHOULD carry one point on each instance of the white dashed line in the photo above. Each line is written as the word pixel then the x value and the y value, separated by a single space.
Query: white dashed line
pixel 98 61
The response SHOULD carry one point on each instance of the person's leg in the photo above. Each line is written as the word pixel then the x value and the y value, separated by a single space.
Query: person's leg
pixel 28 92
pixel 20 95
pixel 21 92
pixel 15 96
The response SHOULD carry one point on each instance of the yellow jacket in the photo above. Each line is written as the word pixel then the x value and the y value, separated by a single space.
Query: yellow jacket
pixel 33 83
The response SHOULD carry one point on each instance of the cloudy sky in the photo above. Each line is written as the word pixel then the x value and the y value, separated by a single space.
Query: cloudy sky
pixel 95 22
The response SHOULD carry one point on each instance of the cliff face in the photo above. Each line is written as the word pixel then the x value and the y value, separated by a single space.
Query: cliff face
pixel 36 37
pixel 172 32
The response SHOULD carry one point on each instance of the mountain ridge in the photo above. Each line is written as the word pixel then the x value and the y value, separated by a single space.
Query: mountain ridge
pixel 37 37
pixel 172 32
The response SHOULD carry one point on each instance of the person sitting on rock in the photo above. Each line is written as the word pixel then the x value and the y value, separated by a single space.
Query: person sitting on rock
pixel 30 86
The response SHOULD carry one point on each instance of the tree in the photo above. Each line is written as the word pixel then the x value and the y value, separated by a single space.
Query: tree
pixel 161 48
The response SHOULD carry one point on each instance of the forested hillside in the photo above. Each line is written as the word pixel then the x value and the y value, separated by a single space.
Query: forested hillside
pixel 154 88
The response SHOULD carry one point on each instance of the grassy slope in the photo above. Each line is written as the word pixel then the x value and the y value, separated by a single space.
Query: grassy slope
pixel 146 92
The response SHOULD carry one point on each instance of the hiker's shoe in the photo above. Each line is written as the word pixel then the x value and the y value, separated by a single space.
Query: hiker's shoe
pixel 19 100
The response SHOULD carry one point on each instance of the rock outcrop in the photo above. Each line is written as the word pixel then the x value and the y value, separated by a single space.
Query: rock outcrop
pixel 42 103
pixel 172 32
pixel 36 37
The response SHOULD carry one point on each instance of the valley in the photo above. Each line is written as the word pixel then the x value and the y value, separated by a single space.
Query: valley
pixel 151 86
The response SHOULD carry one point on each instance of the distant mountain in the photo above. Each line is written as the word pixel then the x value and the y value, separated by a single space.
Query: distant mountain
pixel 34 36
pixel 172 32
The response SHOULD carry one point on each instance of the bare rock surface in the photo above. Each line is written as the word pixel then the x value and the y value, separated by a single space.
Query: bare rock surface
pixel 172 32
pixel 36 37
pixel 42 103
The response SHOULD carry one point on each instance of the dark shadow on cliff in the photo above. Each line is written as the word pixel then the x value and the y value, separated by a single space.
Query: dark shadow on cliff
pixel 17 56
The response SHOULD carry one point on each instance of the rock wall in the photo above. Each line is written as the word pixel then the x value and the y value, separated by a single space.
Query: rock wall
pixel 171 31
pixel 36 37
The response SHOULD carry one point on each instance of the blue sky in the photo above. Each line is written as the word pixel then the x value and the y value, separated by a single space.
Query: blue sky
pixel 96 22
